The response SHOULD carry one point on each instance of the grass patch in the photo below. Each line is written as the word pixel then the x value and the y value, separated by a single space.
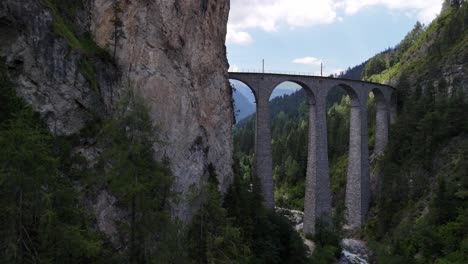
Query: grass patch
pixel 87 69
pixel 64 13
pixel 447 48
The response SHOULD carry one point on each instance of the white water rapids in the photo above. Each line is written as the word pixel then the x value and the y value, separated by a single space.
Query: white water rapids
pixel 353 251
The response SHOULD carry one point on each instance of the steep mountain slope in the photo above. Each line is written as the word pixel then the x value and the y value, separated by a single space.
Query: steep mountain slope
pixel 244 90
pixel 420 214
pixel 428 55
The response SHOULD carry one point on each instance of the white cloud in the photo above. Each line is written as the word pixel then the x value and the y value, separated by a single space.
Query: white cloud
pixel 307 61
pixel 238 37
pixel 269 15
pixel 426 10
pixel 428 14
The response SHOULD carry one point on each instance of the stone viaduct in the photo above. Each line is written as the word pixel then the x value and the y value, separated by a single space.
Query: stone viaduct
pixel 317 203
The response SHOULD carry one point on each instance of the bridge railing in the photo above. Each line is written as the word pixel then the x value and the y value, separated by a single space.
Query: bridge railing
pixel 300 74
pixel 276 72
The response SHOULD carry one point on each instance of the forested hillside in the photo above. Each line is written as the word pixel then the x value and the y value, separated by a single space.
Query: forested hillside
pixel 420 213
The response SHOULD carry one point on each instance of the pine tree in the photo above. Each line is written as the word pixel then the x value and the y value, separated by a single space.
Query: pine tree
pixel 452 4
pixel 442 209
pixel 26 163
pixel 135 177
pixel 213 237
pixel 118 32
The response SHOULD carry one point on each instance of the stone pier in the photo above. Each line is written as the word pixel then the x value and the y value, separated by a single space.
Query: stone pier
pixel 317 202
pixel 381 126
pixel 358 179
pixel 263 156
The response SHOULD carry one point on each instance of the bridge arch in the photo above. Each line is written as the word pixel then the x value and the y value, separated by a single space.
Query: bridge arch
pixel 290 167
pixel 309 92
pixel 233 82
pixel 246 96
pixel 350 91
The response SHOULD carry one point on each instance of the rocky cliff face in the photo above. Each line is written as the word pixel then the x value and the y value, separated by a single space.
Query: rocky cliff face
pixel 47 70
pixel 173 55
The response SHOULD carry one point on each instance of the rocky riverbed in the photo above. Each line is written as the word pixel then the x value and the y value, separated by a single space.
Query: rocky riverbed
pixel 354 251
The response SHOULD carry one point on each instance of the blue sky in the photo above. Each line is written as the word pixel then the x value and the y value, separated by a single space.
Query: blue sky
pixel 297 35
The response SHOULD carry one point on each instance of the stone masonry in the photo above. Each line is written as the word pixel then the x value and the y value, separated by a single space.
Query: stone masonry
pixel 317 203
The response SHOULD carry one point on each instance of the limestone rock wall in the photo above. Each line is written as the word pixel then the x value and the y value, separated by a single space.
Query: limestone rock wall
pixel 173 55
pixel 47 71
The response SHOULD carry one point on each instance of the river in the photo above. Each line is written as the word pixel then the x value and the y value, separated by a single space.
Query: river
pixel 354 251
